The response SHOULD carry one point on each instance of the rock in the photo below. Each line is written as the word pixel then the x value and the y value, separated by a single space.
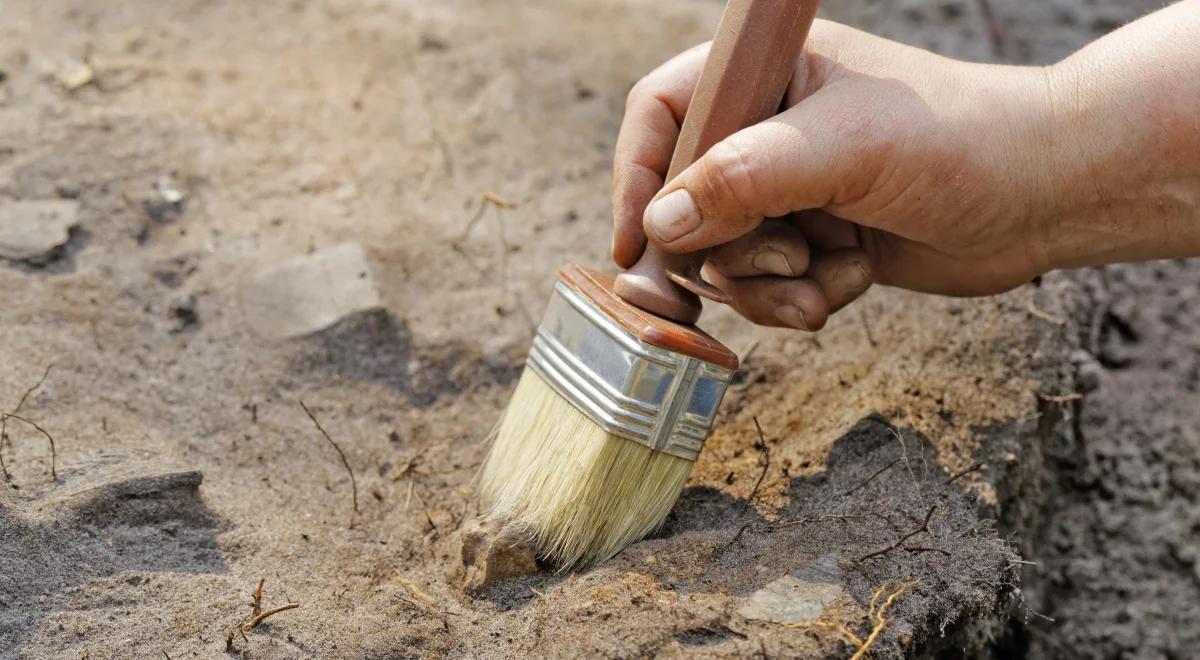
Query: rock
pixel 166 206
pixel 310 293
pixel 74 75
pixel 800 597
pixel 32 230
pixel 491 553
pixel 168 190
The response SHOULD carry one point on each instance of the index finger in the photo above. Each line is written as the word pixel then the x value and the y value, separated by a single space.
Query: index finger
pixel 653 114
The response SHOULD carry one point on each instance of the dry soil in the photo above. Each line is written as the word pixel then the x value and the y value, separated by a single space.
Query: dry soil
pixel 214 141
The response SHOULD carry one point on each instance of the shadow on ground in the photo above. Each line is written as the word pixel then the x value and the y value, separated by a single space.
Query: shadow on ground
pixel 376 347
pixel 95 526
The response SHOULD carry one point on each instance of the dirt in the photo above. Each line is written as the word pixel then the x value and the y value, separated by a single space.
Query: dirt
pixel 187 469
pixel 1116 564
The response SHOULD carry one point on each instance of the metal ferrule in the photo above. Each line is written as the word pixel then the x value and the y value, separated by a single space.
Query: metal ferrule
pixel 640 392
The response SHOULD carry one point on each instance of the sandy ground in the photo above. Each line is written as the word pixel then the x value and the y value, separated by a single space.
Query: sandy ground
pixel 221 140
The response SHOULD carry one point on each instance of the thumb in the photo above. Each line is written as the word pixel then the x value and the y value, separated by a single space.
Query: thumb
pixel 790 162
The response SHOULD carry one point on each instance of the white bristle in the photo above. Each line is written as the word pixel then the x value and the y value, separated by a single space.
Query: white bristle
pixel 581 492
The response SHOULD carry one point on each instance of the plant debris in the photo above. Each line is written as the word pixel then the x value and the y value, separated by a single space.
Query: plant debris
pixel 341 455
pixel 257 616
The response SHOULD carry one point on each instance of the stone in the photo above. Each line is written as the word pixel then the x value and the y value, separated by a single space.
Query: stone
pixel 32 230
pixel 799 597
pixel 491 553
pixel 309 293
pixel 74 75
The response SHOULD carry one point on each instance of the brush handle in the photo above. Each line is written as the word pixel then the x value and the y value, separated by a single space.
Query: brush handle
pixel 743 82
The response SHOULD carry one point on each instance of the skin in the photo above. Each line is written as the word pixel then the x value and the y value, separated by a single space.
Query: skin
pixel 897 166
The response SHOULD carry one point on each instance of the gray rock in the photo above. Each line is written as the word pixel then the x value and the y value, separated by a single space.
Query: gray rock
pixel 31 230
pixel 309 293
pixel 800 597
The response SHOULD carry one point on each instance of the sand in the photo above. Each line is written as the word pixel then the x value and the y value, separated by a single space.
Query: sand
pixel 227 155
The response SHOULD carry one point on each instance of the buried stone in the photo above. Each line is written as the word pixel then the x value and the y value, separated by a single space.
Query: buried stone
pixel 800 597
pixel 34 230
pixel 492 552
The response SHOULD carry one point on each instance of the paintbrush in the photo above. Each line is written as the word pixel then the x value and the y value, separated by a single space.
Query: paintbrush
pixel 620 389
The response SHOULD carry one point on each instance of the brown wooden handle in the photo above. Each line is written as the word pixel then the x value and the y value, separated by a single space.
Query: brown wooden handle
pixel 745 77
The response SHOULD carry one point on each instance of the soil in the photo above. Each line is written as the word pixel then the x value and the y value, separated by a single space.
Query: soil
pixel 1116 561
pixel 186 469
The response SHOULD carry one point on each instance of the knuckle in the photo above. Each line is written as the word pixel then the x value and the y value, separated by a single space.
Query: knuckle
pixel 639 91
pixel 729 175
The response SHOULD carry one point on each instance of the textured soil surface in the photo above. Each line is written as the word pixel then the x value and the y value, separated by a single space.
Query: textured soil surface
pixel 284 202
pixel 1118 567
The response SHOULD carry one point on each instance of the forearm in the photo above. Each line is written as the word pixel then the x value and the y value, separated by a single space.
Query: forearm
pixel 1123 156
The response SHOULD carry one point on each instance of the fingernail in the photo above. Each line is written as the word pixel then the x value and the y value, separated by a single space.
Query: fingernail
pixel 856 278
pixel 673 216
pixel 773 262
pixel 791 315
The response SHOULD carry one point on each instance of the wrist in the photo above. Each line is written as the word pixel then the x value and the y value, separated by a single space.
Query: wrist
pixel 1121 163
pixel 1013 129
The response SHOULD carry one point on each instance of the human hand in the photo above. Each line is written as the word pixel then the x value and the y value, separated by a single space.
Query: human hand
pixel 890 164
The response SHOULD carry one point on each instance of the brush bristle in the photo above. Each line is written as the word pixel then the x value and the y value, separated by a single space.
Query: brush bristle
pixel 582 493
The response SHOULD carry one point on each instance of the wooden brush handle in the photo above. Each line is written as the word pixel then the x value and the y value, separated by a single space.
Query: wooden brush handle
pixel 743 82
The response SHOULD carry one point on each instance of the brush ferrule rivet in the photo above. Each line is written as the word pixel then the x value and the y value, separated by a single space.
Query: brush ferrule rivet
pixel 659 398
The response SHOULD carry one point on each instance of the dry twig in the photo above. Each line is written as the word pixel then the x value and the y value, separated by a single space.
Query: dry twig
pixel 749 352
pixel 414 590
pixel 762 442
pixel 274 610
pixel 963 473
pixel 341 454
pixel 257 615
pixel 1060 398
pixel 13 414
pixel 49 438
pixel 1045 316
pixel 496 199
pixel 862 315
pixel 256 599
pixel 904 456
pixel 487 199
pixel 924 528
pixel 843 517
pixel 872 477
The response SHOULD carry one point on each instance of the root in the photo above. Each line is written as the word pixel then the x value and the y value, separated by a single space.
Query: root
pixel 876 618
pixel 880 615
pixel 899 544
